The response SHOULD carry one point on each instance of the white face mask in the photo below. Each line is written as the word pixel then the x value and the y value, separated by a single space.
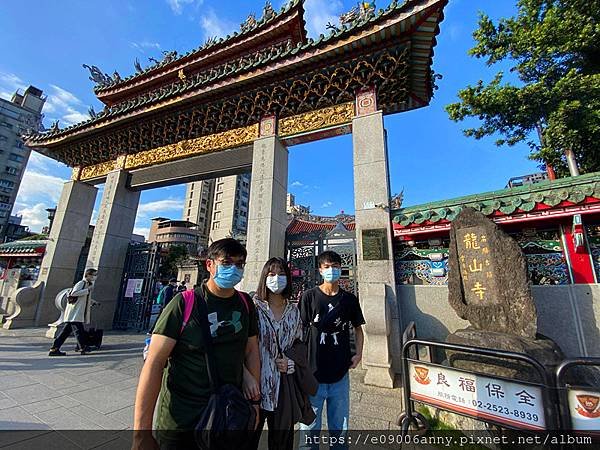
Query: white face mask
pixel 276 283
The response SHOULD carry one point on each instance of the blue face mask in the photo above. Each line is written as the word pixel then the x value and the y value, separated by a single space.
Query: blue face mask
pixel 331 274
pixel 228 277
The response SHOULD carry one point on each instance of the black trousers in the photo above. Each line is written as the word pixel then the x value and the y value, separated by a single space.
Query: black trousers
pixel 75 327
pixel 278 439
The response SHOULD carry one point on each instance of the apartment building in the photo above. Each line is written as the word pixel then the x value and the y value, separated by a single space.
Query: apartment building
pixel 19 115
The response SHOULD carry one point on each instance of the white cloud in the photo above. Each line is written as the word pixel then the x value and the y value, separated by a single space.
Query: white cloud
pixel 297 184
pixel 327 205
pixel 319 13
pixel 37 187
pixel 159 207
pixel 62 104
pixel 9 83
pixel 178 5
pixel 141 230
pixel 213 25
pixel 145 45
pixel 35 217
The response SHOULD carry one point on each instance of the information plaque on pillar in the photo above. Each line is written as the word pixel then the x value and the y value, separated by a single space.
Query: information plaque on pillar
pixel 374 244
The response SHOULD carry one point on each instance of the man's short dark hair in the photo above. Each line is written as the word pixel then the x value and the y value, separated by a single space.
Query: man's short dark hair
pixel 329 257
pixel 173 280
pixel 90 272
pixel 226 248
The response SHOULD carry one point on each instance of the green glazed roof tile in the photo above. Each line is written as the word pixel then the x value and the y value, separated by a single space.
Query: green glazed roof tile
pixel 508 201
pixel 153 97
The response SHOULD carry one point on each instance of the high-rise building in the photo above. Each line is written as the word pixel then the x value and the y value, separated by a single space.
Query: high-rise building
pixel 198 206
pixel 296 210
pixel 219 207
pixel 230 208
pixel 20 115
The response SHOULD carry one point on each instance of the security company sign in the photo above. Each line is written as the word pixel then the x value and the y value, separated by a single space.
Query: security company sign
pixel 584 408
pixel 517 405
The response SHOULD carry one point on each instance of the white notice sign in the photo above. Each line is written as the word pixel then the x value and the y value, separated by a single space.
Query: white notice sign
pixel 517 405
pixel 584 408
pixel 134 286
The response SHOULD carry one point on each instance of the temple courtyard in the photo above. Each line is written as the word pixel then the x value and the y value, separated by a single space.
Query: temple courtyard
pixel 97 391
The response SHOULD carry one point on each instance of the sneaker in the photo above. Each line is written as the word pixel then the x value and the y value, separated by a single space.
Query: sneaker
pixel 86 350
pixel 56 352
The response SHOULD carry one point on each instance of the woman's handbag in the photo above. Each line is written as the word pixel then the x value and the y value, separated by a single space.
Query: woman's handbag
pixel 71 299
pixel 228 420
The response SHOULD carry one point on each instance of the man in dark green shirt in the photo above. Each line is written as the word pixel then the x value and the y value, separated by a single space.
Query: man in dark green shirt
pixel 183 383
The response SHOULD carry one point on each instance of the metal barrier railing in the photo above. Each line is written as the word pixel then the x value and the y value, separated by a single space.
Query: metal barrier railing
pixel 498 413
pixel 579 405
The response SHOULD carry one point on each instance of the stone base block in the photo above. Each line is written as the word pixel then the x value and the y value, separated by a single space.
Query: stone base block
pixel 379 376
pixel 544 350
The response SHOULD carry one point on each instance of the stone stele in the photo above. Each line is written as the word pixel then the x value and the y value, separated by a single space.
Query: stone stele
pixel 488 282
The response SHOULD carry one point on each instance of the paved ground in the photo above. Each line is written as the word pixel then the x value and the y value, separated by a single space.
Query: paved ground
pixel 96 391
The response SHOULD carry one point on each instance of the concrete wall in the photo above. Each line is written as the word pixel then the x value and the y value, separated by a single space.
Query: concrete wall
pixel 570 315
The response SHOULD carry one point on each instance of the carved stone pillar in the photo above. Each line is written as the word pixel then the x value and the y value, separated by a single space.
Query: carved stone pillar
pixel 267 218
pixel 376 281
pixel 67 238
pixel 110 242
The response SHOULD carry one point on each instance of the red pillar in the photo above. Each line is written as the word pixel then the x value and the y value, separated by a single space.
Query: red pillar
pixel 579 261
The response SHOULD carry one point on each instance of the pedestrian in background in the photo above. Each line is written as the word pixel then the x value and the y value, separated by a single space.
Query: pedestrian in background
pixel 77 312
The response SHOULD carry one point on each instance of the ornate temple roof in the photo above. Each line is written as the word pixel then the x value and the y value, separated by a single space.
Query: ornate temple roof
pixel 288 24
pixel 299 226
pixel 23 248
pixel 391 48
pixel 545 195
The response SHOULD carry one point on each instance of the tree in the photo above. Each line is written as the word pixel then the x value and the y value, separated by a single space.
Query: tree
pixel 176 255
pixel 554 48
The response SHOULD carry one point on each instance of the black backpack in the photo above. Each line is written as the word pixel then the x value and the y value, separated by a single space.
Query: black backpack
pixel 228 420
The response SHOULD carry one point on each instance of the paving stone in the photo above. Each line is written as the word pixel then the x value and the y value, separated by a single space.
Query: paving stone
pixel 44 405
pixel 63 419
pixel 32 393
pixel 47 441
pixel 102 399
pixel 16 418
pixel 6 402
pixel 374 411
pixel 24 439
pixel 124 415
pixel 102 420
pixel 381 400
pixel 66 401
pixel 16 381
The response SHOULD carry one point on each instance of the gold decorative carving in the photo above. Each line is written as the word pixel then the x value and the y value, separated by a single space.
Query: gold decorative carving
pixel 75 174
pixel 204 144
pixel 317 120
pixel 97 170
pixel 120 164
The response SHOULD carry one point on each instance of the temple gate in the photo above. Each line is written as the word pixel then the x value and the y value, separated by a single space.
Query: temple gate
pixel 236 104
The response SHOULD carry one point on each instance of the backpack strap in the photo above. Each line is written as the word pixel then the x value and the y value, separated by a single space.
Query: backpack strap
pixel 188 306
pixel 245 299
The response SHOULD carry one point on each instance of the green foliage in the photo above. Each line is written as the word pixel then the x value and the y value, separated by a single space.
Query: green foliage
pixel 176 255
pixel 554 48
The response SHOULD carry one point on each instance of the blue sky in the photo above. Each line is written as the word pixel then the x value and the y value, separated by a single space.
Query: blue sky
pixel 429 156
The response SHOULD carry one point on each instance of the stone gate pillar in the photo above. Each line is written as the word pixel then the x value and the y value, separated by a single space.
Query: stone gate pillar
pixel 67 238
pixel 376 281
pixel 267 218
pixel 111 239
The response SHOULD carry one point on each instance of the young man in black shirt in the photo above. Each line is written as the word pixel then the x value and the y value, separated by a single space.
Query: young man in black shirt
pixel 327 312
